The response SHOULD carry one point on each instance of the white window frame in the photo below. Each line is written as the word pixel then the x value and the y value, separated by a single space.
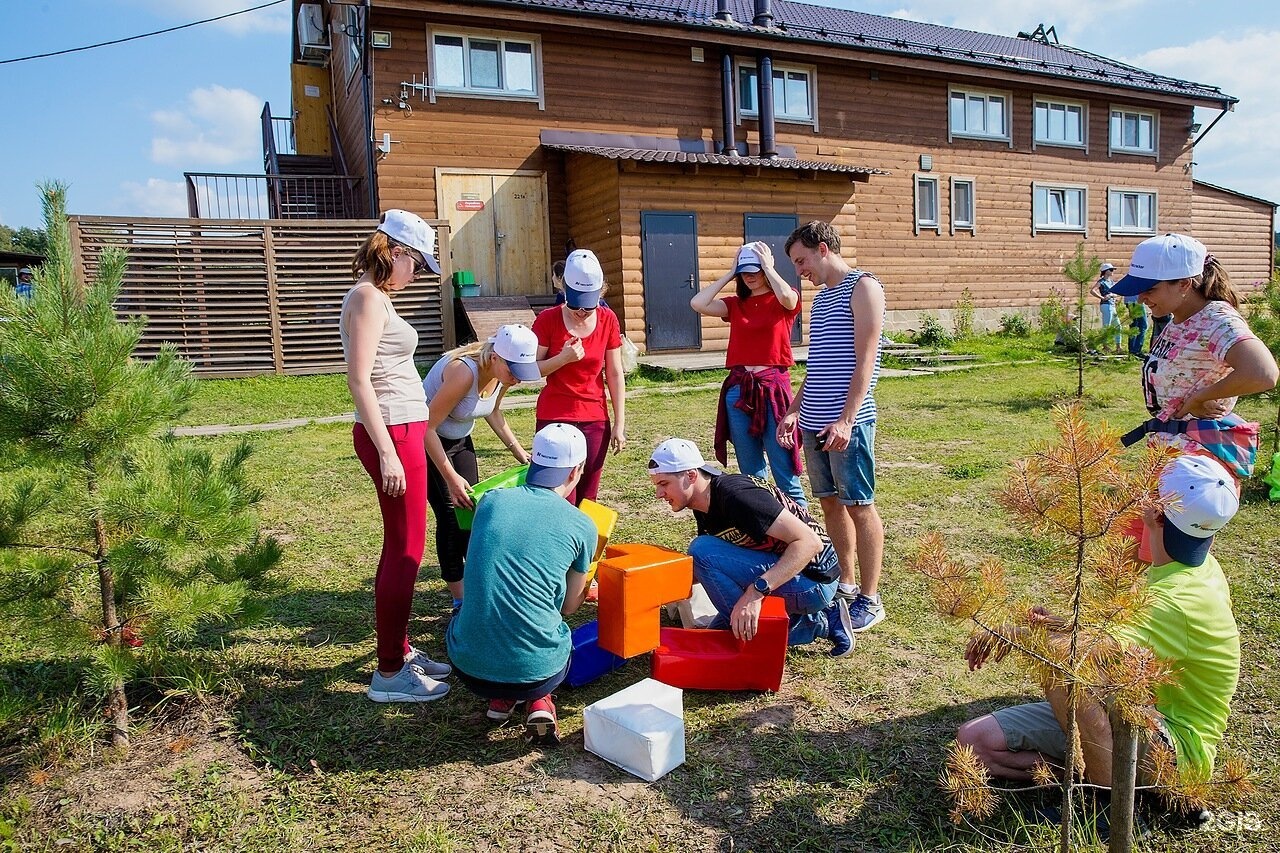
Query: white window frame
pixel 921 223
pixel 972 225
pixel 1050 228
pixel 355 41
pixel 1115 192
pixel 810 71
pixel 1122 110
pixel 537 96
pixel 1052 102
pixel 985 94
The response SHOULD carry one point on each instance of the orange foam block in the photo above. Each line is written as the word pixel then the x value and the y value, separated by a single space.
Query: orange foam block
pixel 708 659
pixel 635 581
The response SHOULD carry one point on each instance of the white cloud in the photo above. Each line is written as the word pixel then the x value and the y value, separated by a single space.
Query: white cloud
pixel 272 20
pixel 156 197
pixel 214 127
pixel 1241 150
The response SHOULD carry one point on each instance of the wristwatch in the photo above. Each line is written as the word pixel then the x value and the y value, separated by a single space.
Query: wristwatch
pixel 762 586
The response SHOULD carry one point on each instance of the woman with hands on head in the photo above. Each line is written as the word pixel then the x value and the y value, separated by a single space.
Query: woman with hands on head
pixel 391 421
pixel 465 385
pixel 580 353
pixel 757 393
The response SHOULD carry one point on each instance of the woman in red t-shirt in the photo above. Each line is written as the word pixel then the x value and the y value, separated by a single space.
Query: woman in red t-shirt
pixel 757 392
pixel 580 352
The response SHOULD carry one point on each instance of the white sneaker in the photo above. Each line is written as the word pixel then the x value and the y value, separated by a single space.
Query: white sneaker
pixel 410 684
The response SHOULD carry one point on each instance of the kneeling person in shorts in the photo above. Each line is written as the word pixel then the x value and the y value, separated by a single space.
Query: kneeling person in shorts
pixel 526 569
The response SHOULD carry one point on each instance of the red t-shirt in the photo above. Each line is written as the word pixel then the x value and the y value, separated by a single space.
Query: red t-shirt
pixel 759 331
pixel 575 392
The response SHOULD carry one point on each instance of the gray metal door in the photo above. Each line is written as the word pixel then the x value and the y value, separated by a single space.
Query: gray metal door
pixel 773 229
pixel 669 253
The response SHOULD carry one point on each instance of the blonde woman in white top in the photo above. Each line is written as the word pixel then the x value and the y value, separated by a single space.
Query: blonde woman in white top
pixel 391 423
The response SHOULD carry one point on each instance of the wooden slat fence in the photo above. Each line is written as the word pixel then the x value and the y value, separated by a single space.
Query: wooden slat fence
pixel 251 297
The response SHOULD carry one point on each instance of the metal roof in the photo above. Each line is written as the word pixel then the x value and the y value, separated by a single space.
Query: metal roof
pixel 653 155
pixel 1230 191
pixel 861 31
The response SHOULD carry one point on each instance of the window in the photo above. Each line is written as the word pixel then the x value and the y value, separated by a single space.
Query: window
pixel 1133 131
pixel 984 115
pixel 793 92
pixel 1058 208
pixel 1059 123
pixel 485 65
pixel 355 39
pixel 1131 211
pixel 962 210
pixel 927 204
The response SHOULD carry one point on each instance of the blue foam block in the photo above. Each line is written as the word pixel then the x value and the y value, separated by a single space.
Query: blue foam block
pixel 589 661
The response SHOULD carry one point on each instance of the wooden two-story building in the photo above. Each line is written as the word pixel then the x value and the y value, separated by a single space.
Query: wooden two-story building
pixel 662 134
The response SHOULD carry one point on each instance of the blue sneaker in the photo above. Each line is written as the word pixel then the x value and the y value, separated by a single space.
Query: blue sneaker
pixel 410 684
pixel 864 613
pixel 839 629
pixel 433 668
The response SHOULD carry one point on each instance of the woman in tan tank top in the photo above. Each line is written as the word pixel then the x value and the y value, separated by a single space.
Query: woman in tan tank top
pixel 391 421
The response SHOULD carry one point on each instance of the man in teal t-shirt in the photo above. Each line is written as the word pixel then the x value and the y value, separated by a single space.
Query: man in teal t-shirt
pixel 1188 624
pixel 526 569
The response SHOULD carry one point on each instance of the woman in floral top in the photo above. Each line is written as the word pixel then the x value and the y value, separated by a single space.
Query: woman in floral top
pixel 1206 357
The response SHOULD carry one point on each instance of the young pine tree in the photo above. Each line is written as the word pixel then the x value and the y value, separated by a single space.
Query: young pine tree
pixel 118 545
pixel 1083 271
pixel 1077 495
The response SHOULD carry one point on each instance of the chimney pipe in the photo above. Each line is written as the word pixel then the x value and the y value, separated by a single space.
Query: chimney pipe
pixel 768 146
pixel 764 13
pixel 722 11
pixel 727 101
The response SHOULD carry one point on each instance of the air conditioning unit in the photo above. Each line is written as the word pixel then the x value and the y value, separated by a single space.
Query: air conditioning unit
pixel 313 39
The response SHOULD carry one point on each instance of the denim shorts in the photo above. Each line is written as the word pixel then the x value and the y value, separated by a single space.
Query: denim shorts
pixel 848 474
pixel 1034 727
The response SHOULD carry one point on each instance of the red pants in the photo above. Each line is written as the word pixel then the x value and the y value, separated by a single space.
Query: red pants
pixel 404 536
pixel 597 435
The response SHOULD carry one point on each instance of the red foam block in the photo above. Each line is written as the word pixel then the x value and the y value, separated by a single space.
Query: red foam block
pixel 704 659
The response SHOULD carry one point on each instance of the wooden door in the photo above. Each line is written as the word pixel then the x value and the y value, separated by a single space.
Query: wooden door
pixel 520 234
pixel 669 254
pixel 498 230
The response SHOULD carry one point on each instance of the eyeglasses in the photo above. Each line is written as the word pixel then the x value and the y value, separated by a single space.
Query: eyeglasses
pixel 419 262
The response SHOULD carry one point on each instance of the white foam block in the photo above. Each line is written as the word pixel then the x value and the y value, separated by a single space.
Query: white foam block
pixel 640 729
pixel 696 611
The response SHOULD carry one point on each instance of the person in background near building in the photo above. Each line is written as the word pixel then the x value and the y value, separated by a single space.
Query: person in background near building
pixel 467 384
pixel 753 541
pixel 25 287
pixel 391 425
pixel 1189 625
pixel 1107 302
pixel 757 392
pixel 526 570
pixel 1206 357
pixel 1137 325
pixel 580 352
pixel 837 412
pixel 1157 326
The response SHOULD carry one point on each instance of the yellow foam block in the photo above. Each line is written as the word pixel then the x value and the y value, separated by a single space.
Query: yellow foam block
pixel 605 520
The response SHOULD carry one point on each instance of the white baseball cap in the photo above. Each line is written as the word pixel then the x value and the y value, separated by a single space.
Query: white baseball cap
pixel 1168 257
pixel 1106 268
pixel 679 454
pixel 517 345
pixel 583 279
pixel 1203 499
pixel 557 449
pixel 25 271
pixel 748 261
pixel 411 230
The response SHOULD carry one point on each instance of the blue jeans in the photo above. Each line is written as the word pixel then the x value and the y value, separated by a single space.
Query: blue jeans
pixel 751 450
pixel 1110 318
pixel 726 570
pixel 849 474
pixel 1137 335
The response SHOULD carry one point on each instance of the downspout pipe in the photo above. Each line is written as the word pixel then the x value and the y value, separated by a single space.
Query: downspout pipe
pixel 768 142
pixel 727 103
pixel 366 70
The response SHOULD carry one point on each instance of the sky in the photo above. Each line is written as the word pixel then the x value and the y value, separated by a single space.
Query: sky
pixel 120 124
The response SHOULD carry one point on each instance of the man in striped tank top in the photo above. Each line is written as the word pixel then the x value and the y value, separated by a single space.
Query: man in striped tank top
pixel 836 413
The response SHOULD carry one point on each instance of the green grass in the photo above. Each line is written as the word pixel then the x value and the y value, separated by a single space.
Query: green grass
pixel 289 755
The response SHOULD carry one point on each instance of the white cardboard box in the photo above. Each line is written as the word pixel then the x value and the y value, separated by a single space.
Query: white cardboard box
pixel 640 729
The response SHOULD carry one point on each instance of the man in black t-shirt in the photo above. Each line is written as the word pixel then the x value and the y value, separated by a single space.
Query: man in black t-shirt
pixel 754 541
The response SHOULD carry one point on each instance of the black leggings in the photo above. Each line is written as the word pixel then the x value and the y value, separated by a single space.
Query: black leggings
pixel 451 542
